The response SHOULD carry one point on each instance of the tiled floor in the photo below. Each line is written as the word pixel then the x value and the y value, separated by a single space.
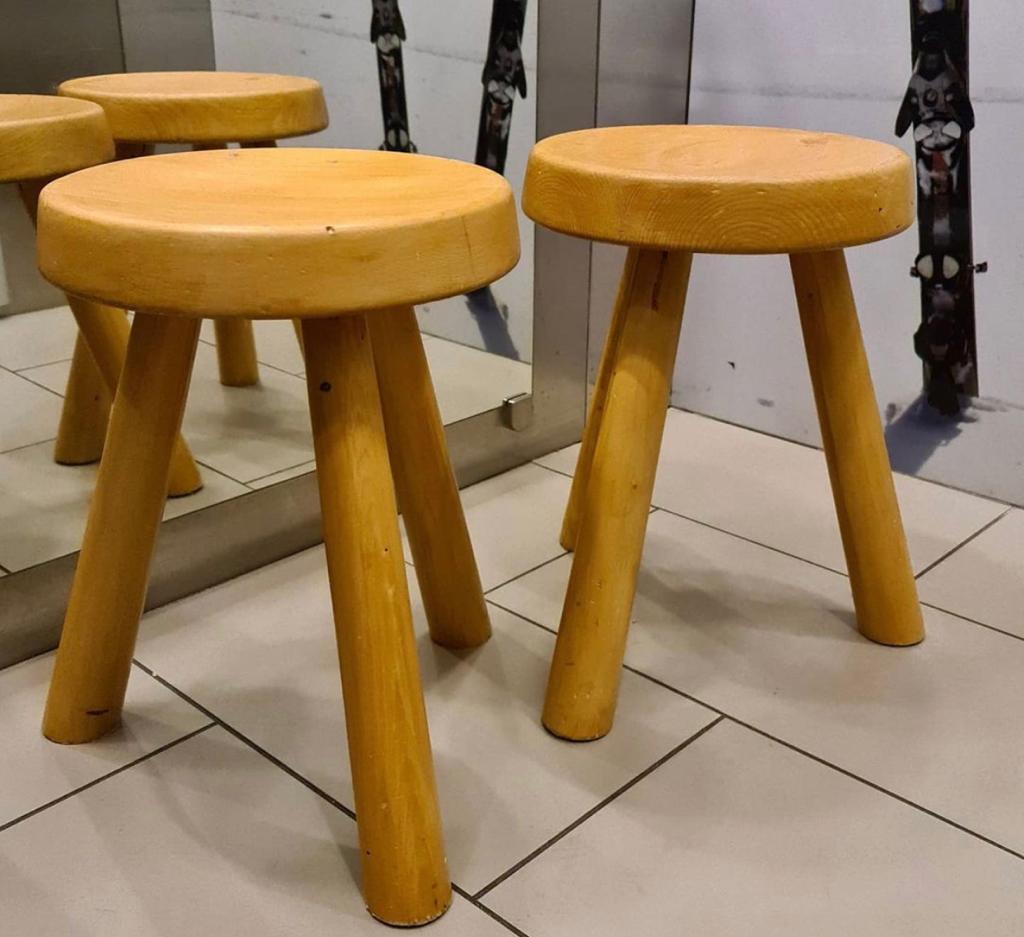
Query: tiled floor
pixel 770 771
pixel 243 438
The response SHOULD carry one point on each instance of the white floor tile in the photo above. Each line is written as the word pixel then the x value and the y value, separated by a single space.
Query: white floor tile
pixel 739 836
pixel 37 771
pixel 44 505
pixel 771 640
pixel 260 653
pixel 276 344
pixel 777 493
pixel 468 381
pixel 294 472
pixel 984 580
pixel 35 338
pixel 513 521
pixel 247 432
pixel 204 838
pixel 29 413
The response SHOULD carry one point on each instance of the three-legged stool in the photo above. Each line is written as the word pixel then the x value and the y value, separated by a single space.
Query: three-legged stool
pixel 43 137
pixel 667 193
pixel 346 242
pixel 207 110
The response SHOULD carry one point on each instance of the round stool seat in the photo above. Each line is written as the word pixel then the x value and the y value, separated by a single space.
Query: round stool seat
pixel 288 233
pixel 203 107
pixel 720 190
pixel 43 135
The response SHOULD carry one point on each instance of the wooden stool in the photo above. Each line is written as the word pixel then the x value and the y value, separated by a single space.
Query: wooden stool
pixel 346 241
pixel 667 193
pixel 207 110
pixel 42 137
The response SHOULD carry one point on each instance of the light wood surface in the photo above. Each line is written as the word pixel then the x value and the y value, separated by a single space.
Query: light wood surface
pixel 95 654
pixel 584 678
pixel 405 877
pixel 884 591
pixel 84 415
pixel 42 136
pixel 598 400
pixel 434 522
pixel 203 107
pixel 277 233
pixel 732 190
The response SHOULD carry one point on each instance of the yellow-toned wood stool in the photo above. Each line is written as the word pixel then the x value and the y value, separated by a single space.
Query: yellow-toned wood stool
pixel 207 110
pixel 667 193
pixel 43 137
pixel 347 242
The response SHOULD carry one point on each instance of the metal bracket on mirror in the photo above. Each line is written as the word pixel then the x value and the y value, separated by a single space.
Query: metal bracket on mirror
pixel 517 411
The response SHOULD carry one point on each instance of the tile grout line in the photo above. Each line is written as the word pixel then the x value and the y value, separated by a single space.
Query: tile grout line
pixel 828 764
pixel 259 749
pixel 29 380
pixel 973 621
pixel 291 772
pixel 480 906
pixel 527 572
pixel 650 769
pixel 38 442
pixel 287 468
pixel 109 774
pixel 960 546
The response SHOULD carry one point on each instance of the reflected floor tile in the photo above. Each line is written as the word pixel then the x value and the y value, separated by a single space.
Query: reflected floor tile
pixel 737 835
pixel 242 432
pixel 29 413
pixel 777 493
pixel 247 432
pixel 771 641
pixel 513 521
pixel 44 505
pixel 260 653
pixel 468 381
pixel 207 837
pixel 984 580
pixel 294 472
pixel 37 771
pixel 276 344
pixel 35 338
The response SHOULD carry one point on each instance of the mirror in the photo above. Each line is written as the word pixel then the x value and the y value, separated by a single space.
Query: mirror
pixel 410 78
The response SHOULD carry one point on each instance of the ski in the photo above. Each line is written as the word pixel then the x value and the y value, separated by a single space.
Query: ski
pixel 937 104
pixel 387 31
pixel 504 76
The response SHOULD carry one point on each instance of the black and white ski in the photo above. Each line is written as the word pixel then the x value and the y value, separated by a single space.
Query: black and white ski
pixel 387 32
pixel 504 75
pixel 938 105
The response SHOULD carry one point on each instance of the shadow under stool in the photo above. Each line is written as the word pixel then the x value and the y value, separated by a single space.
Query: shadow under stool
pixel 667 193
pixel 43 137
pixel 346 242
pixel 207 110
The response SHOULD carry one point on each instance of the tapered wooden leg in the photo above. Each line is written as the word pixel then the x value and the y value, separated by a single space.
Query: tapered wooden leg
pixel 581 477
pixel 94 658
pixel 405 876
pixel 236 353
pixel 106 331
pixel 297 325
pixel 83 418
pixel 584 679
pixel 884 592
pixel 427 492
